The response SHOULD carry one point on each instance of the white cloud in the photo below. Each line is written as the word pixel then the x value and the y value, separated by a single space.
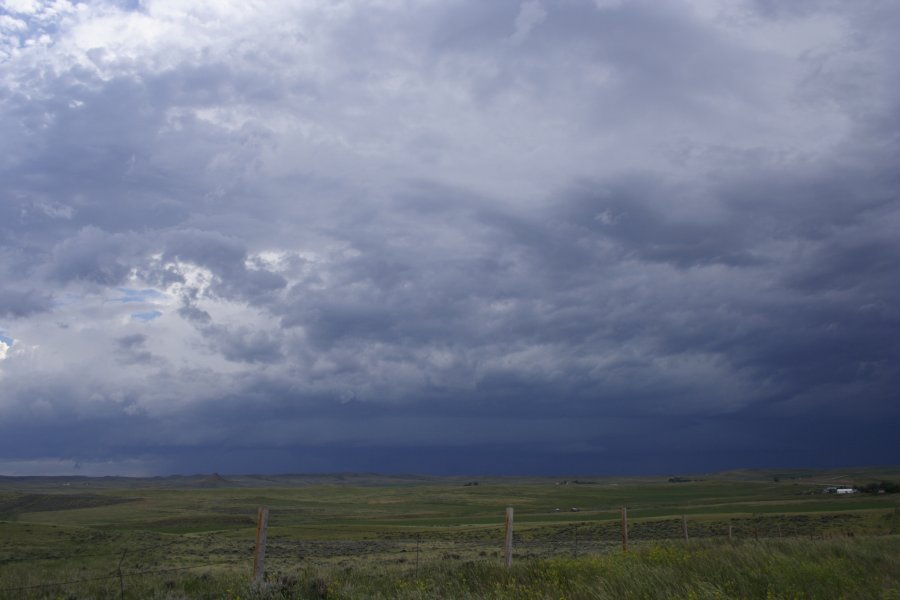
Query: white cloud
pixel 25 7
pixel 12 24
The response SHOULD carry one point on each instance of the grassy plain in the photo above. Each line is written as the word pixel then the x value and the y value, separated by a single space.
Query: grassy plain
pixel 359 536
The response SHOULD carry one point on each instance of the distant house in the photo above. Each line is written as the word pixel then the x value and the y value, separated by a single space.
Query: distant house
pixel 575 509
pixel 845 490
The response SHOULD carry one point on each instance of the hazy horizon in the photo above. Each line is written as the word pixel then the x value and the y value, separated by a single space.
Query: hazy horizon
pixel 788 473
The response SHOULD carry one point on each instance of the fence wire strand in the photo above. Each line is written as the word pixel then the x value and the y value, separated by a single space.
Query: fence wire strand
pixel 572 538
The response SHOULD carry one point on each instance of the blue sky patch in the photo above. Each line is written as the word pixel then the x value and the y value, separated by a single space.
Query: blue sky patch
pixel 146 317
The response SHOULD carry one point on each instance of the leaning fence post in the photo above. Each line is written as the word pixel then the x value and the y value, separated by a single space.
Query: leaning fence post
pixel 259 557
pixel 624 529
pixel 509 533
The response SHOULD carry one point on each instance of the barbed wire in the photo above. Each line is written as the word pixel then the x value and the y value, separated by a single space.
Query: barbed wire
pixel 429 543
pixel 580 538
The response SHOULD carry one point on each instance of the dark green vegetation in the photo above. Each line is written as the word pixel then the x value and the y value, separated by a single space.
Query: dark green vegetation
pixel 360 536
pixel 879 487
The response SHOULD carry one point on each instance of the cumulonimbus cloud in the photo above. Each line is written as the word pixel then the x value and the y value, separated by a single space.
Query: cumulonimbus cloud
pixel 614 212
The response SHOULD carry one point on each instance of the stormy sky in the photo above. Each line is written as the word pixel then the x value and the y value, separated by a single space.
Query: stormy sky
pixel 448 236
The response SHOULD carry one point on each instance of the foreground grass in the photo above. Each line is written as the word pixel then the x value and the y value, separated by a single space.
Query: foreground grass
pixel 773 569
pixel 790 569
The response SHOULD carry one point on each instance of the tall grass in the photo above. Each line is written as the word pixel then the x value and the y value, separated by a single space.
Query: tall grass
pixel 788 569
pixel 857 568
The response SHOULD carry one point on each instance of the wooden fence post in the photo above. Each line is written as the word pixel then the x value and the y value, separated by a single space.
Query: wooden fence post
pixel 624 529
pixel 509 533
pixel 684 526
pixel 418 539
pixel 121 577
pixel 259 557
pixel 575 536
pixel 729 532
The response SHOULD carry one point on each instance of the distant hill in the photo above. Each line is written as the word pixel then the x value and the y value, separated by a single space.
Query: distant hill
pixel 213 480
pixel 843 476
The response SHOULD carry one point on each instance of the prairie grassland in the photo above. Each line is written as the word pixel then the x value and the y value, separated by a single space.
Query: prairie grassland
pixel 777 569
pixel 788 569
pixel 424 538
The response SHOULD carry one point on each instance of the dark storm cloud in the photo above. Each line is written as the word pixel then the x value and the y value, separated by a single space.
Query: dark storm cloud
pixel 640 217
pixel 95 256
pixel 133 349
pixel 241 344
pixel 579 233
pixel 192 313
pixel 19 303
pixel 220 253
pixel 226 257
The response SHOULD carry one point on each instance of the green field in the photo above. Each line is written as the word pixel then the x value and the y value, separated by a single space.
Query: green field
pixel 358 536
